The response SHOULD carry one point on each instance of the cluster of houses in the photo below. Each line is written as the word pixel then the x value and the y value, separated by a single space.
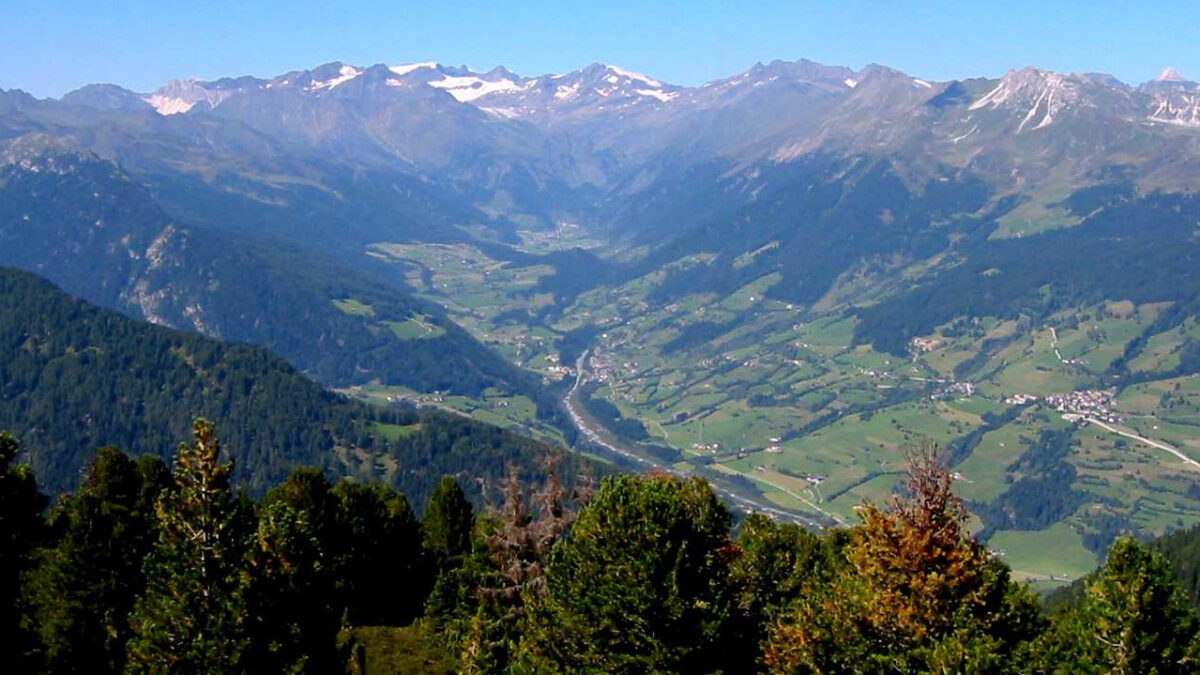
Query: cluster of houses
pixel 1095 403
pixel 925 344
pixel 556 370
pixel 962 389
pixel 601 368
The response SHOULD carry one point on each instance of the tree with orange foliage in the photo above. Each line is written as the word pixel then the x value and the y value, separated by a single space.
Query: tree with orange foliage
pixel 918 594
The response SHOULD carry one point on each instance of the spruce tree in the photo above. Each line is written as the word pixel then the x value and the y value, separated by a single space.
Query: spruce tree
pixel 448 523
pixel 21 530
pixel 1134 618
pixel 293 613
pixel 641 585
pixel 85 584
pixel 190 619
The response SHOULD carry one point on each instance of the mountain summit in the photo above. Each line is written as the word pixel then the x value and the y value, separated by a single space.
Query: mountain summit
pixel 1171 75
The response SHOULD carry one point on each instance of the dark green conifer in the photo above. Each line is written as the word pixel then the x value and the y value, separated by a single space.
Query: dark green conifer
pixel 291 605
pixel 639 586
pixel 379 563
pixel 21 530
pixel 448 523
pixel 1134 618
pixel 85 584
pixel 191 617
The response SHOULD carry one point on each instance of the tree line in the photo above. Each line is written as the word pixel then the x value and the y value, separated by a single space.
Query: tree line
pixel 150 569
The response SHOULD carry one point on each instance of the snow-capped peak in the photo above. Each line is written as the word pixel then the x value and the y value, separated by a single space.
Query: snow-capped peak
pixel 407 68
pixel 470 87
pixel 1170 75
pixel 621 72
pixel 345 74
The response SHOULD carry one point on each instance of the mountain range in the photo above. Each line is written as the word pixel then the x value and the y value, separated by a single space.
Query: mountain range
pixel 343 156
pixel 810 246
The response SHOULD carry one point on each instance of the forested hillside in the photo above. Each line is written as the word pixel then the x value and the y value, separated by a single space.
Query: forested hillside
pixel 84 224
pixel 1144 250
pixel 76 378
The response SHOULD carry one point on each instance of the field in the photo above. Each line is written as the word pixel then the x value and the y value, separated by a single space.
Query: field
pixel 745 386
pixel 518 412
pixel 1055 554
pixel 417 327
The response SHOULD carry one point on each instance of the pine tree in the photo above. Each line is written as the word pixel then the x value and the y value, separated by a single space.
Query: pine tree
pixel 190 619
pixel 448 524
pixel 290 599
pixel 85 584
pixel 641 584
pixel 378 559
pixel 21 530
pixel 1134 619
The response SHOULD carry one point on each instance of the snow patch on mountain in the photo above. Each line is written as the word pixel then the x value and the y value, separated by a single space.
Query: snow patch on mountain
pixel 659 94
pixel 502 113
pixel 345 74
pixel 407 68
pixel 565 91
pixel 1040 93
pixel 468 88
pixel 168 105
pixel 1180 109
pixel 634 76
pixel 180 96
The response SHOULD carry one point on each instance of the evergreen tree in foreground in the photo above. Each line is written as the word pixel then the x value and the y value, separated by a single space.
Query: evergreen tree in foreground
pixel 1134 619
pixel 639 586
pixel 85 584
pixel 777 563
pixel 520 537
pixel 448 523
pixel 21 529
pixel 190 619
pixel 291 604
pixel 377 556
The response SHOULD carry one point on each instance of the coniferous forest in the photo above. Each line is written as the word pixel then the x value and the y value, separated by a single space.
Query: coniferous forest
pixel 150 568
pixel 76 377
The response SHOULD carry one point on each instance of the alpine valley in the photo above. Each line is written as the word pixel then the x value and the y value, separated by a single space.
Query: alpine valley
pixel 776 280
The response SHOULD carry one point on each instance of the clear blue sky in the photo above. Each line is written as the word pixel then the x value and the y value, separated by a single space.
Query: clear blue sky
pixel 48 47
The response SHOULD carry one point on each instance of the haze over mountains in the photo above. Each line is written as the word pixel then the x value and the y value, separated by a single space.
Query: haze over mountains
pixel 345 155
pixel 743 279
pixel 605 128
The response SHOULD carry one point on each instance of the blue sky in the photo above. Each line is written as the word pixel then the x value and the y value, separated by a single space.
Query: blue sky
pixel 48 47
